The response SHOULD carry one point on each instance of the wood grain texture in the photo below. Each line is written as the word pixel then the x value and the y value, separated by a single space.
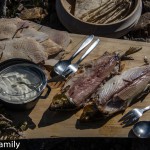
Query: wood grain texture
pixel 45 124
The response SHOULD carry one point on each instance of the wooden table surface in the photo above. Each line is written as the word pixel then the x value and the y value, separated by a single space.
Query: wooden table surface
pixel 45 124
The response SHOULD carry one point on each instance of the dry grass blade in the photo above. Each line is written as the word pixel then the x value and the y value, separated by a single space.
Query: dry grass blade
pixel 105 11
pixel 110 15
pixel 109 11
pixel 120 13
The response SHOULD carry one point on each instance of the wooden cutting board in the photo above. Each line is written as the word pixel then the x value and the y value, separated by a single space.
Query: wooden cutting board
pixel 45 124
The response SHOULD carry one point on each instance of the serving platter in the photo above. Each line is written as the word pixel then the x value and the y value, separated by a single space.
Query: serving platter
pixel 43 123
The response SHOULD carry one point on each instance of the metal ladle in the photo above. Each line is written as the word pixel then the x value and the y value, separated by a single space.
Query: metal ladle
pixel 142 129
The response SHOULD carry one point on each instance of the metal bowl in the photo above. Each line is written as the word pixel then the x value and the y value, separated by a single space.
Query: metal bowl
pixel 21 84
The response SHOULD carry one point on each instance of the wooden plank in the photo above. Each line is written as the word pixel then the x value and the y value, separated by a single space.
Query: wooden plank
pixel 45 124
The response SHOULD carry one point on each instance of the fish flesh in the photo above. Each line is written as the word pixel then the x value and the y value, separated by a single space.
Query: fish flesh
pixel 80 87
pixel 118 93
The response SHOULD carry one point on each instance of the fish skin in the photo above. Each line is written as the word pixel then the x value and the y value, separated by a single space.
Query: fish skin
pixel 76 91
pixel 122 89
pixel 117 94
pixel 80 87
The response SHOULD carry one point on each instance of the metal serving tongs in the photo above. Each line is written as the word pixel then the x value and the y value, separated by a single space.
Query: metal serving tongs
pixel 72 68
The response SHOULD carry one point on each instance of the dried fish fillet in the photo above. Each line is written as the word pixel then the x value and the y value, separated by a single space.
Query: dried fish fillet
pixel 80 87
pixel 118 93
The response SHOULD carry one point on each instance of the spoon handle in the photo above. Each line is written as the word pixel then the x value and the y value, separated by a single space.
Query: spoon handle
pixel 146 108
pixel 88 51
pixel 84 44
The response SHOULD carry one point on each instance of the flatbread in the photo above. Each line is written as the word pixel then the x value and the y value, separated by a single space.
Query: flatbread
pixel 36 44
pixel 26 48
pixel 62 38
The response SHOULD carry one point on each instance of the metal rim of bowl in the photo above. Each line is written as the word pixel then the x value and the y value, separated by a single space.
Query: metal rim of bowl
pixel 137 4
pixel 38 94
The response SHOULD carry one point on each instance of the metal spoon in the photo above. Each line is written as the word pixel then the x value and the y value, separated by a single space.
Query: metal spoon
pixel 142 129
pixel 62 65
pixel 72 68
